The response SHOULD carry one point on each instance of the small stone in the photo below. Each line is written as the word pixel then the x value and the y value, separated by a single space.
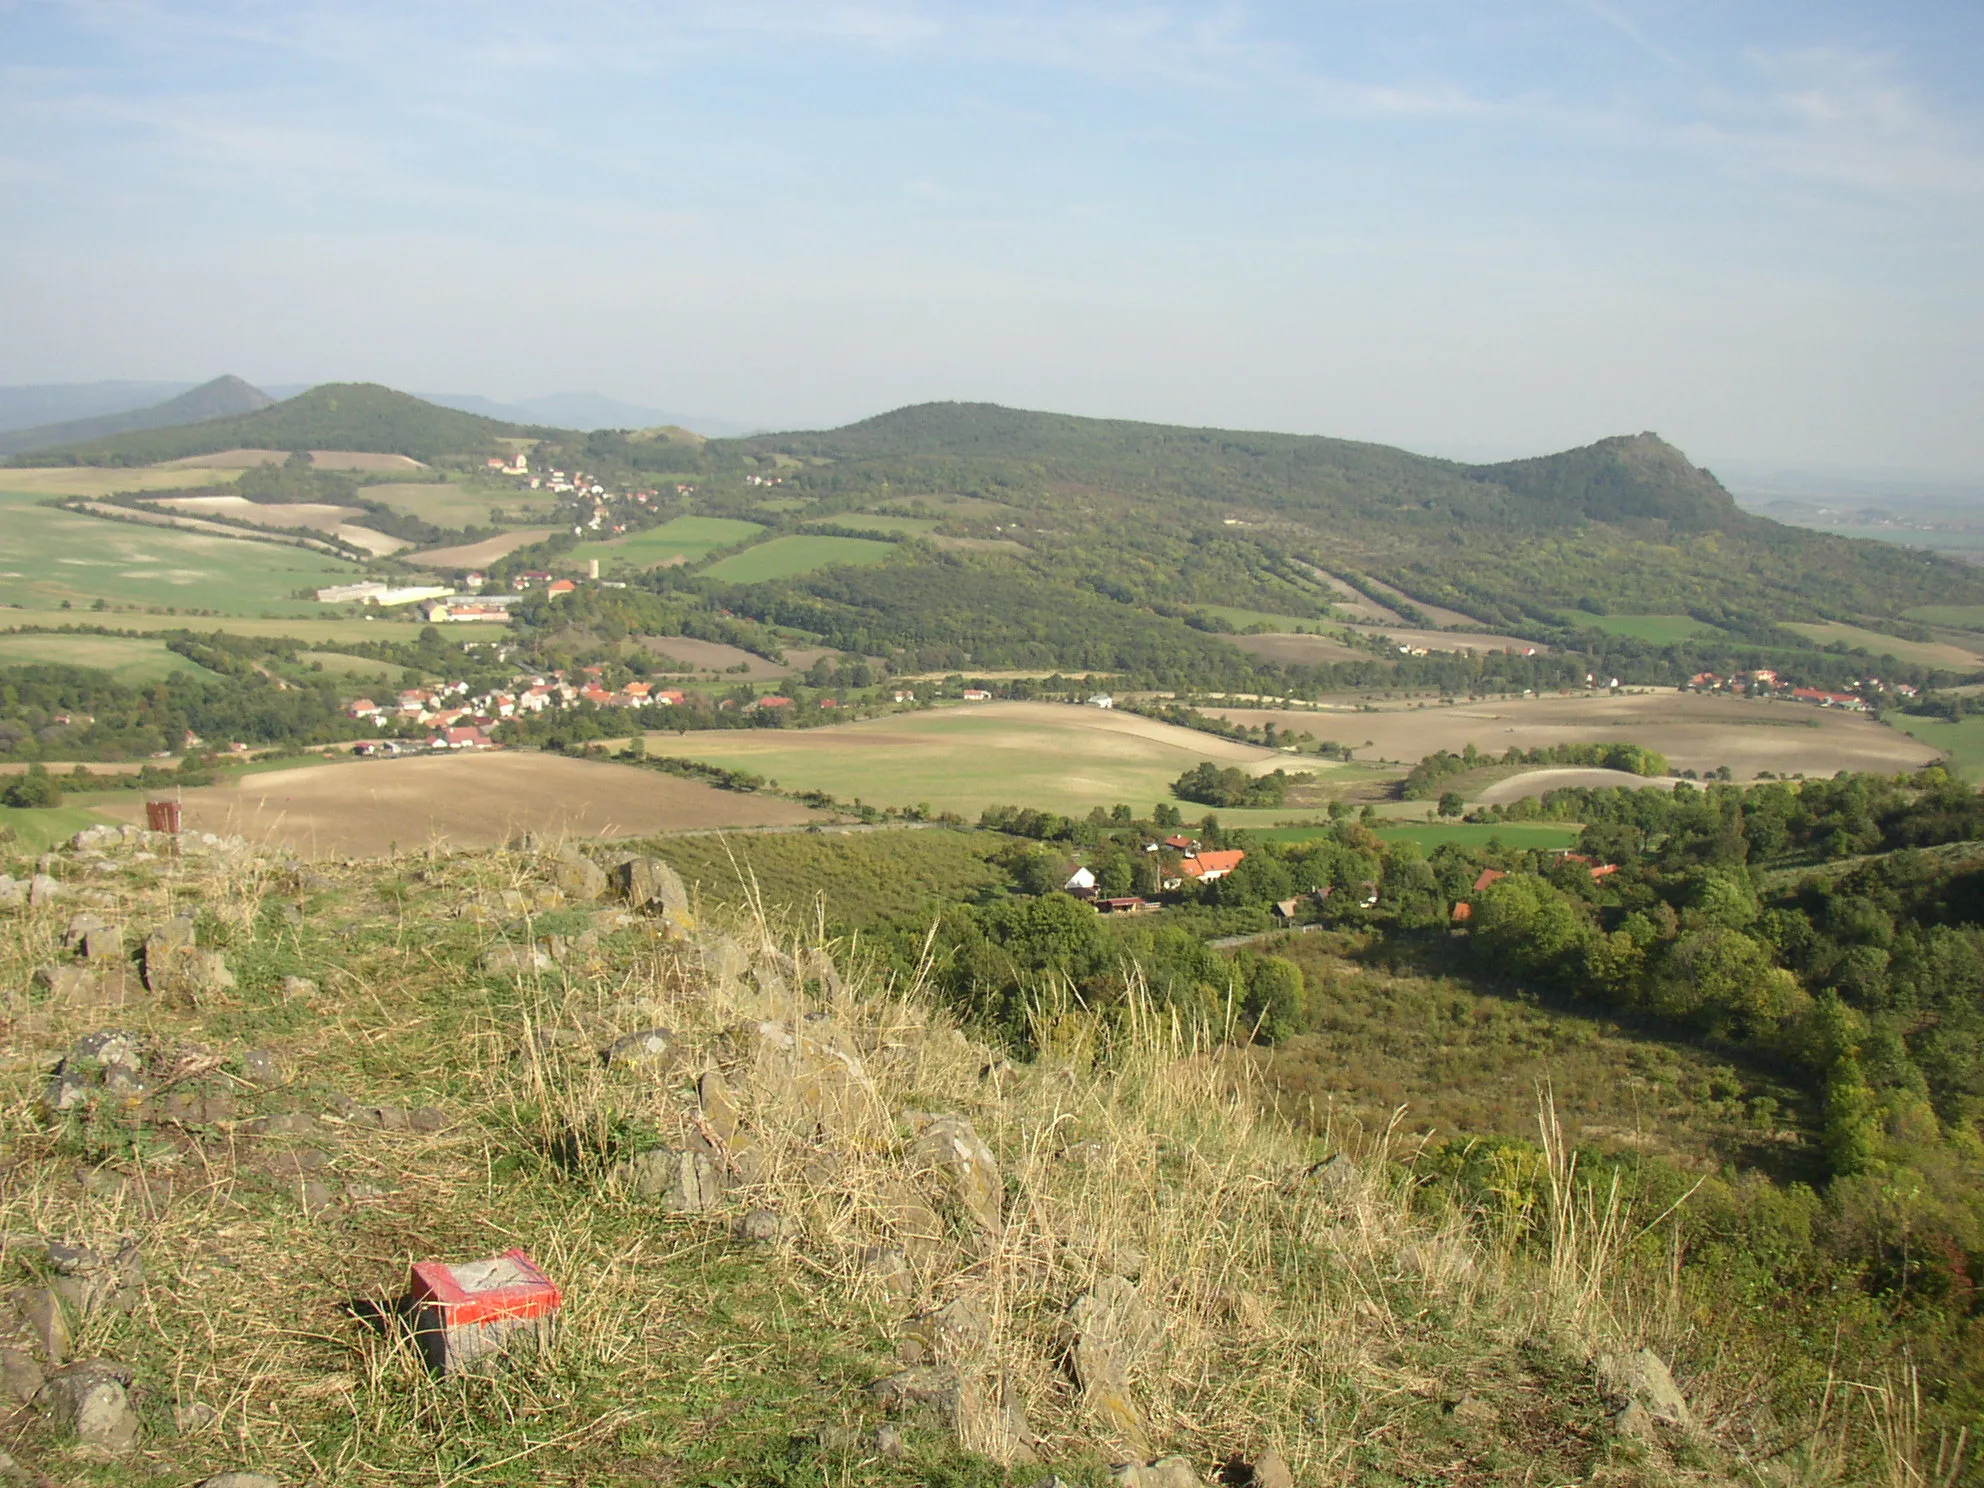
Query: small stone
pixel 42 889
pixel 761 1225
pixel 935 1386
pixel 949 1147
pixel 316 1198
pixel 889 1272
pixel 103 945
pixel 686 1182
pixel 888 1442
pixel 91 1400
pixel 1335 1176
pixel 66 984
pixel 649 883
pixel 240 1480
pixel 1270 1470
pixel 297 988
pixel 89 1280
pixel 577 876
pixel 285 1124
pixel 1166 1472
pixel 649 1046
pixel 471 1315
pixel 956 1333
pixel 262 1067
pixel 20 1376
pixel 427 1119
pixel 40 1312
pixel 515 960
pixel 1643 1379
pixel 193 1416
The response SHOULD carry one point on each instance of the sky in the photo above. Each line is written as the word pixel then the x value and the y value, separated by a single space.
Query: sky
pixel 1469 227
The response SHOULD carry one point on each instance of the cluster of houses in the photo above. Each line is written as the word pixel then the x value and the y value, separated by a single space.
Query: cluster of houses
pixel 1763 682
pixel 1195 865
pixel 458 720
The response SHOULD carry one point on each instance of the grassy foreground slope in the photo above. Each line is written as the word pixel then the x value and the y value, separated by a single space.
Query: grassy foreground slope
pixel 379 1084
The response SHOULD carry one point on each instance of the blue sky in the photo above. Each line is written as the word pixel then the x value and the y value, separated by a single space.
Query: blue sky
pixel 1489 227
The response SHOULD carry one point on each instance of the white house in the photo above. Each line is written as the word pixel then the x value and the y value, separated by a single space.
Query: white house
pixel 1102 700
pixel 1081 880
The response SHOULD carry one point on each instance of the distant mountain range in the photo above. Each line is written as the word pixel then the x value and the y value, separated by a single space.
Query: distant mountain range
pixel 585 411
pixel 63 402
pixel 222 397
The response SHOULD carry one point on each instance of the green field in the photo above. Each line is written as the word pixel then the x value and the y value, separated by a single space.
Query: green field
pixel 309 631
pixel 1658 630
pixel 50 555
pixel 452 505
pixel 783 557
pixel 868 522
pixel 690 538
pixel 1921 653
pixel 1430 835
pixel 338 664
pixel 1962 741
pixel 1242 619
pixel 127 659
pixel 861 877
pixel 965 759
pixel 37 831
pixel 1952 617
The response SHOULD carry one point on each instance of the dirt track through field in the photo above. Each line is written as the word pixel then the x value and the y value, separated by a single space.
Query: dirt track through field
pixel 466 800
pixel 1698 733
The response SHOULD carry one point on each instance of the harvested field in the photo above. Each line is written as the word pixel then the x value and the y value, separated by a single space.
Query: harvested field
pixel 1697 733
pixel 1542 782
pixel 683 540
pixel 475 554
pixel 244 459
pixel 963 759
pixel 83 480
pixel 1302 650
pixel 337 521
pixel 478 800
pixel 712 656
pixel 447 504
pixel 787 557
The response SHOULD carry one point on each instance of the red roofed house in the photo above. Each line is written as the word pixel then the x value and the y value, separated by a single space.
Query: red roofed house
pixel 773 701
pixel 1488 876
pixel 559 586
pixel 1207 866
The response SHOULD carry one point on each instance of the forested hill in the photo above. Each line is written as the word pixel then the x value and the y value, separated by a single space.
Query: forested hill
pixel 345 416
pixel 221 398
pixel 1627 524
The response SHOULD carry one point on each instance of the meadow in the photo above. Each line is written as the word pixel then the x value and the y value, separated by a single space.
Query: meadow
pixel 963 759
pixel 784 557
pixel 1657 630
pixel 339 664
pixel 684 540
pixel 1240 619
pixel 1962 741
pixel 1956 617
pixel 53 555
pixel 1444 1058
pixel 869 522
pixel 128 659
pixel 450 505
pixel 1921 653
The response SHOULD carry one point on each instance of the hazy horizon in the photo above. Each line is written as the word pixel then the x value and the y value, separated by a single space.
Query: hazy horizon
pixel 1475 231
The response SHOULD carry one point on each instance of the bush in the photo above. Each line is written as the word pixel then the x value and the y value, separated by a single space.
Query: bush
pixel 37 789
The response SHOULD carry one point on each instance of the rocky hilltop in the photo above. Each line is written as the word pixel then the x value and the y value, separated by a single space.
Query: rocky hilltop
pixel 802 1228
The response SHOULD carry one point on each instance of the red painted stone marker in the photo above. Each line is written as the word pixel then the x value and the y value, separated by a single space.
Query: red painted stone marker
pixel 467 1316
